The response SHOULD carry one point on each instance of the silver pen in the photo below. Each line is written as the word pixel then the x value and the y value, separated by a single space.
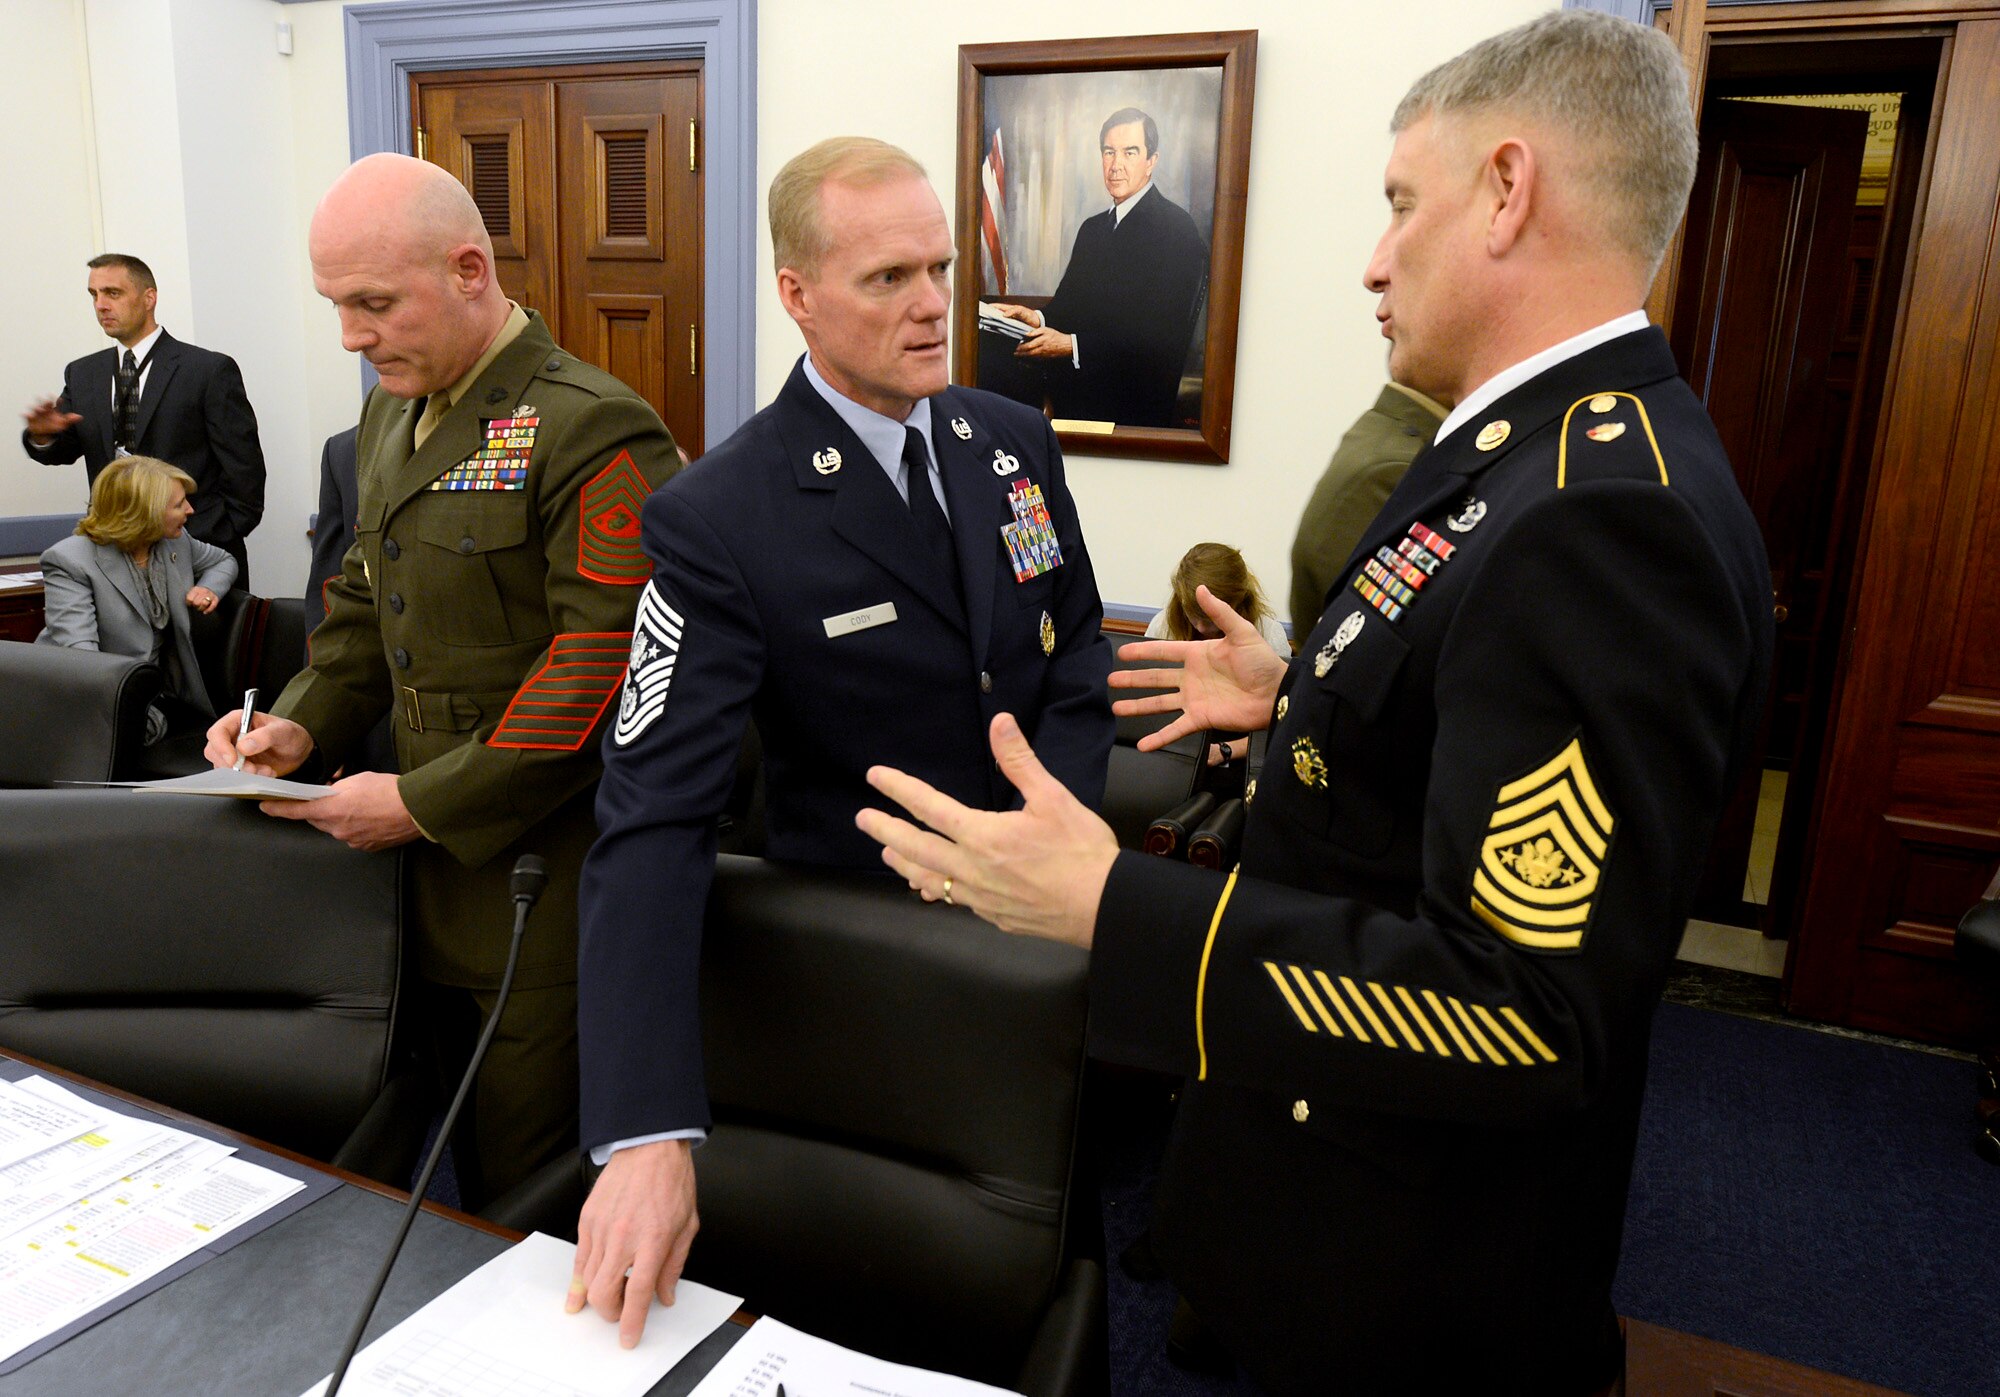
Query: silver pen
pixel 249 710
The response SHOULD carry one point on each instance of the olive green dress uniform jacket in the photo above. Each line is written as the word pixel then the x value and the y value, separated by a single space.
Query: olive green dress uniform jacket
pixel 1366 466
pixel 493 617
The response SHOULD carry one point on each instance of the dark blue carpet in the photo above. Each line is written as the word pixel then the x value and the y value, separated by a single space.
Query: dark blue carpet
pixel 1795 1194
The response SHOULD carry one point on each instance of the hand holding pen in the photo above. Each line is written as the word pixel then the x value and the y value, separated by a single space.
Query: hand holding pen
pixel 243 731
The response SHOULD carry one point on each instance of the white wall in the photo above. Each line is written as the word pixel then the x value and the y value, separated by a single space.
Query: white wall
pixel 216 156
pixel 1309 358
pixel 47 233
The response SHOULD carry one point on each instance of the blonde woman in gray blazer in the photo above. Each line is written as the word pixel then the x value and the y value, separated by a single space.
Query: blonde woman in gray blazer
pixel 123 583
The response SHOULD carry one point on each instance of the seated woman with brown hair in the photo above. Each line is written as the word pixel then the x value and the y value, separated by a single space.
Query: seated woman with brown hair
pixel 124 581
pixel 1222 570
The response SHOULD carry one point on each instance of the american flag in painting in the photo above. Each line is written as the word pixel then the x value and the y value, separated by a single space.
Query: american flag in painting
pixel 992 208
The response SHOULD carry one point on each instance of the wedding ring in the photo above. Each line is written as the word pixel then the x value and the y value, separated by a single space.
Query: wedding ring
pixel 947 894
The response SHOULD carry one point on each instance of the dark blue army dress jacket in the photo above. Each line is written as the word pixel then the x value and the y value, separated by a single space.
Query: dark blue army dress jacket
pixel 1416 1017
pixel 790 585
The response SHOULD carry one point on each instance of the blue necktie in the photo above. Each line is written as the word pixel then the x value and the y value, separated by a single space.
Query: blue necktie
pixel 932 527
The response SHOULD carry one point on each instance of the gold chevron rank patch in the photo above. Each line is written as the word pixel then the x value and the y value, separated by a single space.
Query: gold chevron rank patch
pixel 1545 845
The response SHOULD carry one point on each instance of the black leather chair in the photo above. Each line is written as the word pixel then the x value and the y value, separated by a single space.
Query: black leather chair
pixel 1977 944
pixel 71 715
pixel 196 952
pixel 1139 785
pixel 896 1089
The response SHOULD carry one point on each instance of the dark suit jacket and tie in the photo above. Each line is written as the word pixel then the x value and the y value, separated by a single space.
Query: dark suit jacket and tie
pixel 333 526
pixel 1130 294
pixel 192 413
pixel 779 559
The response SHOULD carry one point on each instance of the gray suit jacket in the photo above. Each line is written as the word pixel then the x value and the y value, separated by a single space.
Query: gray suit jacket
pixel 94 603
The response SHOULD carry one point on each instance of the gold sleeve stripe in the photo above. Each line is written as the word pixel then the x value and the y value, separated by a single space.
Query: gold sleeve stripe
pixel 1477 1037
pixel 1562 450
pixel 1305 988
pixel 1568 762
pixel 1333 998
pixel 1395 1016
pixel 1410 1003
pixel 1506 1038
pixel 1361 1003
pixel 1430 998
pixel 1201 980
pixel 1278 979
pixel 1521 1027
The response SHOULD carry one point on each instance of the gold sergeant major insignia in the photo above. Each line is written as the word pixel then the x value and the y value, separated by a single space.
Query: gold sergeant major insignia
pixel 1546 840
pixel 1307 765
pixel 1048 635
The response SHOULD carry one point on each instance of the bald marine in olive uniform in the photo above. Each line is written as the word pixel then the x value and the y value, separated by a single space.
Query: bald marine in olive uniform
pixel 487 606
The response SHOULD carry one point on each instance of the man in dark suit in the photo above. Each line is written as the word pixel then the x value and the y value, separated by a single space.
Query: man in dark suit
pixel 333 526
pixel 1414 1021
pixel 1116 332
pixel 156 396
pixel 872 567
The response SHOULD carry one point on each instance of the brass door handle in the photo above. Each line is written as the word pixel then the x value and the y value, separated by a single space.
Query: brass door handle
pixel 1781 613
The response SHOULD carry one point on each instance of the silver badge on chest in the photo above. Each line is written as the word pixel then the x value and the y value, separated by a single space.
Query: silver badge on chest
pixel 1003 464
pixel 1342 638
pixel 1468 516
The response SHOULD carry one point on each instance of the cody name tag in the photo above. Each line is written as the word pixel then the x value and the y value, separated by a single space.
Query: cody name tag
pixel 879 615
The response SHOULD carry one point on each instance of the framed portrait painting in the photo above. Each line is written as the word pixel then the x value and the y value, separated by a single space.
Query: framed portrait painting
pixel 1101 189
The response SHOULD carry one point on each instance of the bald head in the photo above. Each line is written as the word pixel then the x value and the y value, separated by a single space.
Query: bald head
pixel 399 247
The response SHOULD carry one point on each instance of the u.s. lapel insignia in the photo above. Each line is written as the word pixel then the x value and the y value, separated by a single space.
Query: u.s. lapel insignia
pixel 1605 431
pixel 1342 638
pixel 1546 842
pixel 1493 434
pixel 1003 464
pixel 1468 516
pixel 961 429
pixel 1048 635
pixel 1603 402
pixel 828 461
pixel 1307 765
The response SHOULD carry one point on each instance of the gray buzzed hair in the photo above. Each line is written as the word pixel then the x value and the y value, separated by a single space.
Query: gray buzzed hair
pixel 1619 88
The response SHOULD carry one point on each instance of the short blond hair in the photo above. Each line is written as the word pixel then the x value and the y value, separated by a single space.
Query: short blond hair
pixel 798 236
pixel 1619 89
pixel 128 501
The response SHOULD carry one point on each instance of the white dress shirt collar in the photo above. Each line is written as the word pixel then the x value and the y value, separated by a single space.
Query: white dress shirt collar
pixel 143 347
pixel 1118 211
pixel 1512 377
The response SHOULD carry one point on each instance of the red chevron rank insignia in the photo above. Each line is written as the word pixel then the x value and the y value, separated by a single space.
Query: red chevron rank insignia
pixel 561 702
pixel 607 547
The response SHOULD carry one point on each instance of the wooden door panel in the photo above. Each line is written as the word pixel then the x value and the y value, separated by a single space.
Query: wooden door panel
pixel 631 235
pixel 628 336
pixel 498 140
pixel 1767 265
pixel 1909 821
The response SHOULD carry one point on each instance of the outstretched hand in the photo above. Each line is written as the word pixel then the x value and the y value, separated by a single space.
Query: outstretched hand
pixel 1036 871
pixel 1228 683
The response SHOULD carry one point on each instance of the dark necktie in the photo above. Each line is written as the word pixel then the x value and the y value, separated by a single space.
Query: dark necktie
pixel 127 406
pixel 932 527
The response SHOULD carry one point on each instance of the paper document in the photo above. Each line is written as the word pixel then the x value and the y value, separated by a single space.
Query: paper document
pixel 502 1330
pixel 994 322
pixel 30 1124
pixel 96 1247
pixel 221 782
pixel 775 1358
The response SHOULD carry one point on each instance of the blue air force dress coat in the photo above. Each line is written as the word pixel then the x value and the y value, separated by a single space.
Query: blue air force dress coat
pixel 1415 1018
pixel 790 585
pixel 193 413
pixel 1131 293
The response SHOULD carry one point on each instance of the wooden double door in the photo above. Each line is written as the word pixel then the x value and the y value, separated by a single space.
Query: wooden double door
pixel 589 180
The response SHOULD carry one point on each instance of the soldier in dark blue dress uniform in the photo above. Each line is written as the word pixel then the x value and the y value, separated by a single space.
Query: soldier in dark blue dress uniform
pixel 1414 1019
pixel 876 563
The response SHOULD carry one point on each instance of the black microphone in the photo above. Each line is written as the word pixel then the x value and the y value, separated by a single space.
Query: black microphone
pixel 529 878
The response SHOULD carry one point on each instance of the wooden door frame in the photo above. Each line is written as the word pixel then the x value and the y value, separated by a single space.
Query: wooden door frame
pixel 1913 458
pixel 388 43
